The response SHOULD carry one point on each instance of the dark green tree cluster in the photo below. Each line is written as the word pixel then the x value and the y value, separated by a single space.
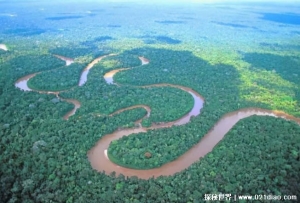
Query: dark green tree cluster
pixel 22 65
pixel 40 157
pixel 122 60
pixel 166 145
pixel 78 51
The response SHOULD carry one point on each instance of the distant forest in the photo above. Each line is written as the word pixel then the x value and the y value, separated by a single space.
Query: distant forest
pixel 44 154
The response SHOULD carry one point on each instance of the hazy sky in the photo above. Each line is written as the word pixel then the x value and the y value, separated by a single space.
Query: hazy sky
pixel 205 1
pixel 166 1
pixel 169 1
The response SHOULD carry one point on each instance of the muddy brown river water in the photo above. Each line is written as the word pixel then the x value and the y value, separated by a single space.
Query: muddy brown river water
pixel 98 154
pixel 68 61
pixel 85 72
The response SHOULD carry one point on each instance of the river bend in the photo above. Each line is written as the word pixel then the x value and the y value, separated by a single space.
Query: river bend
pixel 98 154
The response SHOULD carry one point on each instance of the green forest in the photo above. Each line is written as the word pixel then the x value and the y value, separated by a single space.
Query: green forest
pixel 44 158
pixel 49 80
pixel 236 57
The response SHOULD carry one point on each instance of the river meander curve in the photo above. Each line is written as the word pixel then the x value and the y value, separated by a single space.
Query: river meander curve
pixel 98 154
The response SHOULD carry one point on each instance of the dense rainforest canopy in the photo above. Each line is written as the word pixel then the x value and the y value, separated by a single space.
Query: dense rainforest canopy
pixel 56 167
pixel 44 157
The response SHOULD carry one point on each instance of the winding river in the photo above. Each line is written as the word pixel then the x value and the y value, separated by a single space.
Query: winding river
pixel 98 154
pixel 22 83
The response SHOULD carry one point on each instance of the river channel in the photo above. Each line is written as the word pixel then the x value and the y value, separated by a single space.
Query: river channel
pixel 98 154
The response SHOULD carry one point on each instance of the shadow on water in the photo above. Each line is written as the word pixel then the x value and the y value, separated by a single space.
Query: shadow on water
pixel 114 26
pixel 24 31
pixel 102 38
pixel 97 10
pixel 231 25
pixel 159 39
pixel 285 18
pixel 168 40
pixel 186 18
pixel 64 17
pixel 72 17
pixel 92 43
pixel 92 14
pixel 170 22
